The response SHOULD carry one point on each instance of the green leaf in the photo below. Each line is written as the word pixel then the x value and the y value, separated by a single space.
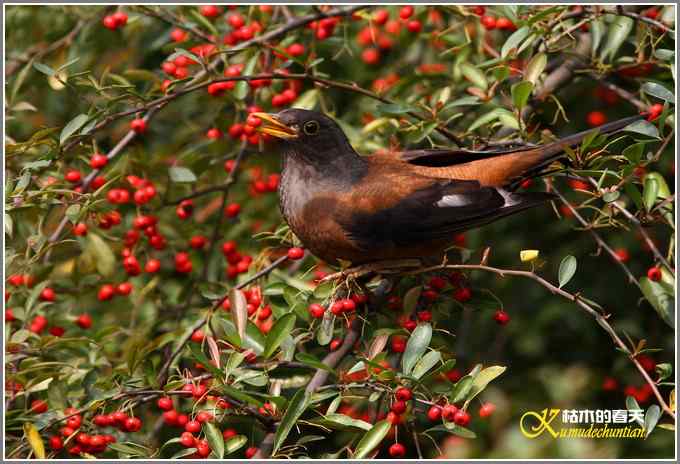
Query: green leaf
pixel 520 93
pixel 394 108
pixel 308 100
pixel 643 127
pixel 372 439
pixel 324 334
pixel 72 126
pixel 483 379
pixel 342 422
pixel 512 43
pixel 105 260
pixel 411 299
pixel 597 33
pixel 456 429
pixel 664 370
pixel 73 212
pixel 182 174
pixel 416 346
pixel 215 439
pixel 492 116
pixel 618 32
pixel 567 270
pixel 464 385
pixel 660 299
pixel 310 360
pixel 239 395
pixel 297 405
pixel 634 152
pixel 650 192
pixel 43 68
pixel 474 75
pixel 426 363
pixel 241 89
pixel 535 68
pixel 281 329
pixel 658 91
pixel 235 444
pixel 651 418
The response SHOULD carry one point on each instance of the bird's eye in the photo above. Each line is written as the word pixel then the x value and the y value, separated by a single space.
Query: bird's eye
pixel 311 127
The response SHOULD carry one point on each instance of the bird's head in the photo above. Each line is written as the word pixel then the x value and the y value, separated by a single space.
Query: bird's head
pixel 309 134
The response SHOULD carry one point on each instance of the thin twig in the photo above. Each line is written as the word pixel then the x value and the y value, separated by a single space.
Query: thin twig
pixel 174 22
pixel 653 22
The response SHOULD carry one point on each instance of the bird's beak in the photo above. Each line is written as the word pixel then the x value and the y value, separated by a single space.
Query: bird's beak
pixel 274 127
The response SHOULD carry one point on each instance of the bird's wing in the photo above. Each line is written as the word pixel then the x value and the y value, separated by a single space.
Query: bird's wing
pixel 435 211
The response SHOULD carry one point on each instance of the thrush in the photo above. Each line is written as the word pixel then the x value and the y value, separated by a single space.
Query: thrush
pixel 361 209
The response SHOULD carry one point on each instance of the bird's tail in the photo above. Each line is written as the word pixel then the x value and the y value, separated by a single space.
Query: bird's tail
pixel 532 162
pixel 556 148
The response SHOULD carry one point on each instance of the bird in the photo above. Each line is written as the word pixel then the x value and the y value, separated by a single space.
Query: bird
pixel 362 209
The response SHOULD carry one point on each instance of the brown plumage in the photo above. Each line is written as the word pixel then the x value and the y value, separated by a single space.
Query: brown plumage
pixel 407 205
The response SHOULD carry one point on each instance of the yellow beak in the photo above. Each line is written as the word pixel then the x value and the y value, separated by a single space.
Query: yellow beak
pixel 272 126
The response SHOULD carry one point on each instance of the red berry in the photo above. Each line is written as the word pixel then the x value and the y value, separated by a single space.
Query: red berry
pixel 398 343
pixel 187 439
pixel 120 18
pixel 462 294
pixel 449 412
pixel 232 210
pixel 406 12
pixel 170 416
pixel 193 426
pixel 489 22
pixel 316 310
pixel 398 407
pixel 73 176
pixel 164 403
pixel 197 336
pixel 486 409
pixel 655 111
pixel 654 274
pixel 98 161
pixel 434 413
pixel 403 394
pixel 106 292
pixel 295 253
pixel 56 443
pixel 210 11
pixel 229 433
pixel 110 22
pixel 461 418
pixel 397 450
pixel 47 294
pixel 198 241
pixel 251 451
pixel 295 49
pixel 152 265
pixel 80 229
pixel 335 344
pixel 393 418
pixel 178 35
pixel 596 118
pixel 38 406
pixel 57 331
pixel 370 56
pixel 203 448
pixel 214 133
pixel 414 26
pixel 138 125
pixel 610 384
pixel 84 321
pixel 133 424
pixel 380 17
pixel 124 288
pixel 504 23
pixel 501 317
pixel 236 21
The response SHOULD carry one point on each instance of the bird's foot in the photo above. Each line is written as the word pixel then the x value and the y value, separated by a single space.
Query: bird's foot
pixel 394 266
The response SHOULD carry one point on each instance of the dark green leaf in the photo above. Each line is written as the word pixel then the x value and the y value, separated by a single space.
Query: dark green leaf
pixel 296 407
pixel 512 43
pixel 567 270
pixel 371 439
pixel 658 91
pixel 660 299
pixel 72 126
pixel 281 329
pixel 416 346
pixel 643 127
pixel 651 418
pixel 215 439
pixel 520 93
